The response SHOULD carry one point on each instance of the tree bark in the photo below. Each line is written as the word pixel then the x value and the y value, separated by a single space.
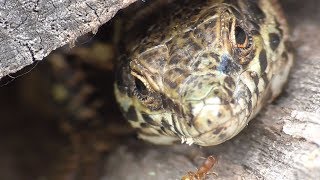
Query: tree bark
pixel 283 142
pixel 31 29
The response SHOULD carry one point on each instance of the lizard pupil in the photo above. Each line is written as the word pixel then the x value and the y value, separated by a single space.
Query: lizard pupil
pixel 141 88
pixel 240 36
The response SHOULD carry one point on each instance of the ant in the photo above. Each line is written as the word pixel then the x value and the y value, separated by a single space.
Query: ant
pixel 202 172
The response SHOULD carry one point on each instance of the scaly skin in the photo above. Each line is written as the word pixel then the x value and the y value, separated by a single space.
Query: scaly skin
pixel 204 70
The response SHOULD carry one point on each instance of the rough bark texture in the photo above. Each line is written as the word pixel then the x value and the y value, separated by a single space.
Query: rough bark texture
pixel 283 142
pixel 31 29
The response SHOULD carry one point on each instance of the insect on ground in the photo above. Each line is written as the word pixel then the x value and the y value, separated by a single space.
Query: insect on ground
pixel 203 170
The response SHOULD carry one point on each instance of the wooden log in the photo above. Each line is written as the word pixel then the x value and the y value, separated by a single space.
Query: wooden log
pixel 30 30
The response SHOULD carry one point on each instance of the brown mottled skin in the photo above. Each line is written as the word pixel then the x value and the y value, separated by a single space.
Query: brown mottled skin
pixel 204 69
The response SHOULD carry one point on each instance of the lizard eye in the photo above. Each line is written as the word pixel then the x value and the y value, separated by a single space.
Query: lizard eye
pixel 243 43
pixel 145 94
pixel 140 86
pixel 241 38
